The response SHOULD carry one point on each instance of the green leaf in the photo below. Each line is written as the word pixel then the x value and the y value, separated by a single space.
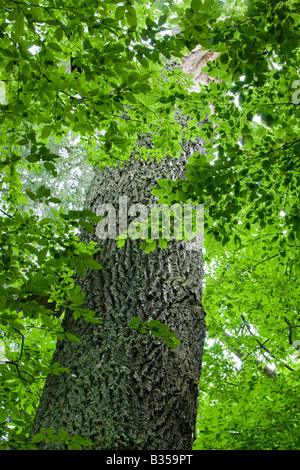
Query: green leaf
pixel 162 20
pixel 80 268
pixel 46 221
pixel 17 325
pixel 130 97
pixel 95 218
pixel 39 437
pixel 26 70
pixel 119 13
pixel 23 142
pixel 33 158
pixel 92 264
pixel 59 33
pixel 46 131
pixel 48 321
pixel 55 200
pixel 71 337
pixel 87 213
pixel 74 446
pixel 41 191
pixel 49 166
pixel 19 25
pixel 224 58
pixel 3 415
pixel 131 15
pixel 196 5
pixel 83 442
pixel 143 61
pixel 163 243
pixel 63 435
pixel 150 247
pixel 88 227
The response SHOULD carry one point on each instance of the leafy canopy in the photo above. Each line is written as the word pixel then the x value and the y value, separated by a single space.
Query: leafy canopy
pixel 93 75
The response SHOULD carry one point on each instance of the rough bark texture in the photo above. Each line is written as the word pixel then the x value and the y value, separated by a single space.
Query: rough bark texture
pixel 128 390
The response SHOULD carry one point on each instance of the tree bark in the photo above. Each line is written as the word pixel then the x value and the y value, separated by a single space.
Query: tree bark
pixel 128 390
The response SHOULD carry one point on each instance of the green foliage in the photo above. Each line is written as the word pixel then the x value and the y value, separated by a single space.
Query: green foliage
pixel 249 183
pixel 70 443
pixel 79 84
pixel 240 409
pixel 158 329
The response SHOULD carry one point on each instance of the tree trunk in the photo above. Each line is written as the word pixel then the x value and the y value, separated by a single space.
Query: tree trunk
pixel 128 390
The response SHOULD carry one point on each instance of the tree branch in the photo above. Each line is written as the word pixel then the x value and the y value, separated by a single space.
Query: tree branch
pixel 241 355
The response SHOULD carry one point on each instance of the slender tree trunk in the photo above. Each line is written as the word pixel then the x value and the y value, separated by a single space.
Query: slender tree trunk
pixel 128 390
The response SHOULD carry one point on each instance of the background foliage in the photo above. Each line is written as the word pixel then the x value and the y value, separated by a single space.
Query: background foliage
pixel 79 85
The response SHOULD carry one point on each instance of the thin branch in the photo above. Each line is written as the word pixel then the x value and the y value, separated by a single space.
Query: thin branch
pixel 260 262
pixel 7 215
pixel 240 354
pixel 22 346
pixel 256 349
pixel 9 37
pixel 262 344
pixel 290 330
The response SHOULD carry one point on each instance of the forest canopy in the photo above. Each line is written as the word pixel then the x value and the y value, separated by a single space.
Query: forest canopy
pixel 80 83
